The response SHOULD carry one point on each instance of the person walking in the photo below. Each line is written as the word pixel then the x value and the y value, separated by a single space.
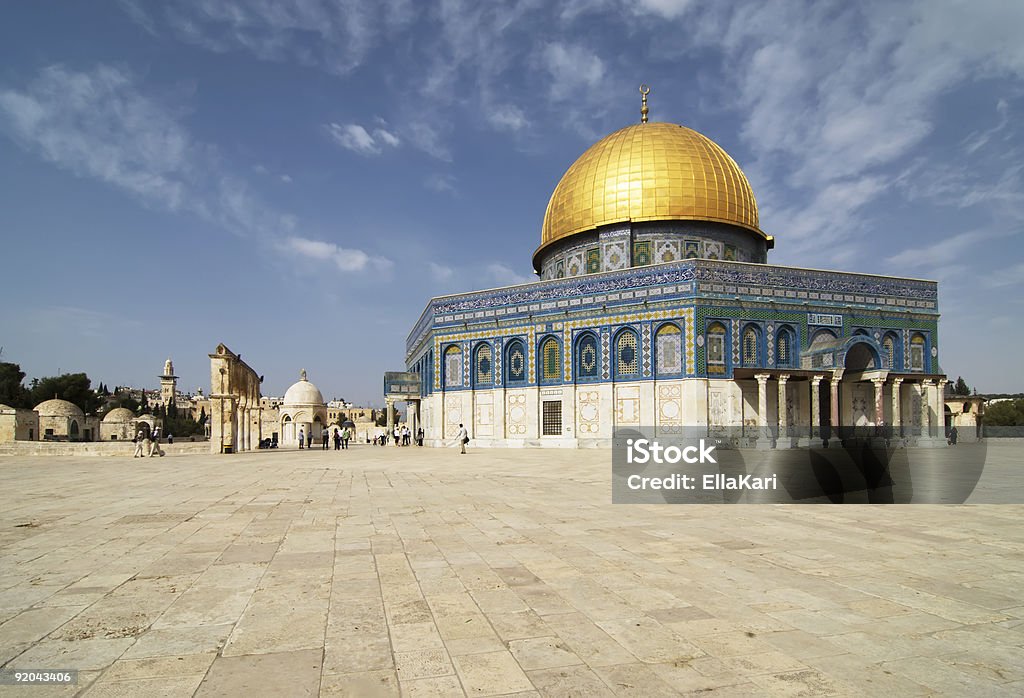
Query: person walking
pixel 139 438
pixel 309 440
pixel 462 438
pixel 419 437
pixel 398 436
pixel 154 444
pixel 345 436
pixel 302 438
pixel 337 440
pixel 953 436
pixel 325 437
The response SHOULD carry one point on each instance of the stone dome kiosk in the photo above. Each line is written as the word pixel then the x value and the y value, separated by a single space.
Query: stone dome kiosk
pixel 303 410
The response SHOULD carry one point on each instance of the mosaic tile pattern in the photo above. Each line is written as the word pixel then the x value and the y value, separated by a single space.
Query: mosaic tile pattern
pixel 484 365
pixel 645 344
pixel 453 367
pixel 668 351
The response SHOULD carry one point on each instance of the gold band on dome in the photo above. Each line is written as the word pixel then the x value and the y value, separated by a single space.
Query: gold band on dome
pixel 650 172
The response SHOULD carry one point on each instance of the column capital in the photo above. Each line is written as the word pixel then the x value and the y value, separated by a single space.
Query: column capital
pixel 762 377
pixel 897 381
pixel 878 381
pixel 816 380
pixel 783 377
pixel 927 382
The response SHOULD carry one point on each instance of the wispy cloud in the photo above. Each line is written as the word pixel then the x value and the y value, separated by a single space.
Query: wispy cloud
pixel 441 183
pixel 940 252
pixel 440 272
pixel 343 258
pixel 1012 275
pixel 333 36
pixel 357 139
pixel 98 124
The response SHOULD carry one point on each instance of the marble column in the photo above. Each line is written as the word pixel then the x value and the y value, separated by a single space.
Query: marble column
pixel 897 419
pixel 783 440
pixel 925 409
pixel 816 411
pixel 940 409
pixel 879 384
pixel 763 439
pixel 834 440
pixel 389 407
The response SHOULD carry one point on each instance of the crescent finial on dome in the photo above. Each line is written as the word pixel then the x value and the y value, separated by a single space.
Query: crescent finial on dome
pixel 644 91
pixel 302 375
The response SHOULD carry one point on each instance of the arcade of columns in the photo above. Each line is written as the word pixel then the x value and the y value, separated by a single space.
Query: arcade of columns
pixel 930 393
pixel 235 412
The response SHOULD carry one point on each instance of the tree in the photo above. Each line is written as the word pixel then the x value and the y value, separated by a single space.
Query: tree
pixel 12 392
pixel 960 388
pixel 202 416
pixel 1008 413
pixel 73 387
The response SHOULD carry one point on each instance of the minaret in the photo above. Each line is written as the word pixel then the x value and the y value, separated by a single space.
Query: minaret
pixel 168 384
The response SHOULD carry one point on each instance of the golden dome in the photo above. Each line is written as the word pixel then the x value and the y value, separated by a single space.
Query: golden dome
pixel 650 172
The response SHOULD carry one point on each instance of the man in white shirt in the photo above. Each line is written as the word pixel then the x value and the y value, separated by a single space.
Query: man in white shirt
pixel 462 438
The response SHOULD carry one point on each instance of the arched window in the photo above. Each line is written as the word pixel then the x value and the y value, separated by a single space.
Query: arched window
pixel 550 361
pixel 587 365
pixel 668 350
pixel 751 340
pixel 483 367
pixel 785 348
pixel 716 348
pixel 515 362
pixel 453 367
pixel 917 345
pixel 889 352
pixel 627 360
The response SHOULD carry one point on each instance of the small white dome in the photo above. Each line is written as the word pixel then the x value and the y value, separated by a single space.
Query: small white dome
pixel 303 393
pixel 119 414
pixel 58 408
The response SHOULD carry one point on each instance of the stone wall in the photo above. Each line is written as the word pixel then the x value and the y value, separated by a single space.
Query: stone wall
pixel 96 448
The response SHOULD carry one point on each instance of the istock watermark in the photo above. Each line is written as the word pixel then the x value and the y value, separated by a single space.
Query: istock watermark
pixel 701 465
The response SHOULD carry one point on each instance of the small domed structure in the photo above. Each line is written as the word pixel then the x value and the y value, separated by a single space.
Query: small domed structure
pixel 60 420
pixel 303 410
pixel 58 408
pixel 117 425
pixel 119 414
pixel 303 392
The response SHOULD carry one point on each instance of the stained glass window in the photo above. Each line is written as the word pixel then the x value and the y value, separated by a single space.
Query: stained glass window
pixel 668 349
pixel 750 347
pixel 515 364
pixel 626 360
pixel 917 353
pixel 586 357
pixel 484 365
pixel 453 367
pixel 551 360
pixel 784 348
pixel 889 352
pixel 716 348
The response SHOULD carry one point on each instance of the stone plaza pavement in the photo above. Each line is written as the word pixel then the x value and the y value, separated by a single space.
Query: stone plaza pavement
pixel 421 572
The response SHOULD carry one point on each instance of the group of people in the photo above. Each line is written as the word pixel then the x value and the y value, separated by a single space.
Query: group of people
pixel 147 445
pixel 341 438
pixel 400 436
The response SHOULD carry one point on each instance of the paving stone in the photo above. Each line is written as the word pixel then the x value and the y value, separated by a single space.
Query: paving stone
pixel 569 682
pixel 284 674
pixel 491 674
pixel 368 684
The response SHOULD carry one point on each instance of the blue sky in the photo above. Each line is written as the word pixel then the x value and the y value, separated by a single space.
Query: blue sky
pixel 295 178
